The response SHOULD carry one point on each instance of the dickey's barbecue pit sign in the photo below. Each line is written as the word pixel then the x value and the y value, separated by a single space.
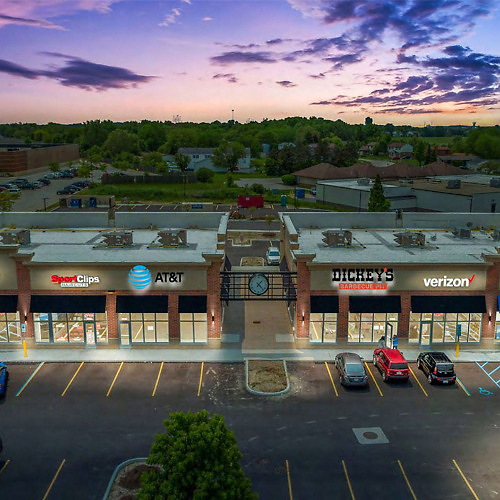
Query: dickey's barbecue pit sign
pixel 375 278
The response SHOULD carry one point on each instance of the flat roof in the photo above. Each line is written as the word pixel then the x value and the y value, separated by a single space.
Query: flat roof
pixel 440 186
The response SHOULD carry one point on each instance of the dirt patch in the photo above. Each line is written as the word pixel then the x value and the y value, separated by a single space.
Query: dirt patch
pixel 267 376
pixel 252 261
pixel 128 481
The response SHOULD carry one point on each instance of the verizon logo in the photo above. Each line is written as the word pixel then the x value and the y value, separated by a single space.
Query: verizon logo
pixel 448 282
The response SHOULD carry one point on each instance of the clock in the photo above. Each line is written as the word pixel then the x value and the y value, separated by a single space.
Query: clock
pixel 258 284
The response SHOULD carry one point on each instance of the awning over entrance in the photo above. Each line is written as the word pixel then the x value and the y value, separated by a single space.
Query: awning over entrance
pixel 448 303
pixel 192 303
pixel 142 304
pixel 324 304
pixel 8 303
pixel 371 304
pixel 68 303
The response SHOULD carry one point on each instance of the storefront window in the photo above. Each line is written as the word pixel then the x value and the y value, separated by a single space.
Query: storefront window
pixel 143 328
pixel 369 327
pixel 441 328
pixel 323 327
pixel 10 328
pixel 193 327
pixel 70 328
pixel 497 326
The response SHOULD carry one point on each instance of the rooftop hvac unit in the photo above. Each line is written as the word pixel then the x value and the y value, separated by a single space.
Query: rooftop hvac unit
pixel 364 181
pixel 337 238
pixel 173 238
pixel 118 239
pixel 495 182
pixel 462 232
pixel 16 237
pixel 408 239
pixel 496 234
pixel 454 184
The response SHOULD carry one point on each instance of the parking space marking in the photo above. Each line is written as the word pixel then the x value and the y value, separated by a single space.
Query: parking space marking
pixel 201 377
pixel 465 479
pixel 53 480
pixel 72 378
pixel 331 378
pixel 289 480
pixel 4 466
pixel 418 381
pixel 157 380
pixel 406 479
pixel 373 378
pixel 147 207
pixel 496 382
pixel 29 379
pixel 348 481
pixel 463 387
pixel 114 380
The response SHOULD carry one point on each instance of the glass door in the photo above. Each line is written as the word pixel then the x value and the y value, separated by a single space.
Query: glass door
pixel 425 332
pixel 124 333
pixel 89 333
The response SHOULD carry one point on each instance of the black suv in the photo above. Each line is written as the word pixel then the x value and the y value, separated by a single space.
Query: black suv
pixel 437 366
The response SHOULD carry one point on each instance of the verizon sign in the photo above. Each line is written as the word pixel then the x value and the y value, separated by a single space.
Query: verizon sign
pixel 445 282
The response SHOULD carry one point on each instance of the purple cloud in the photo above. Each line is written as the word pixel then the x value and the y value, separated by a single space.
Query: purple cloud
pixel 230 77
pixel 286 83
pixel 244 57
pixel 318 76
pixel 37 23
pixel 17 70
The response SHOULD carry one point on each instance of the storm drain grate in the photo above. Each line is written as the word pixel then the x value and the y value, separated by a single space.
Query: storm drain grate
pixel 370 435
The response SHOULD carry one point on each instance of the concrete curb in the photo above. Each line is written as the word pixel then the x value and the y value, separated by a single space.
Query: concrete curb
pixel 116 471
pixel 258 393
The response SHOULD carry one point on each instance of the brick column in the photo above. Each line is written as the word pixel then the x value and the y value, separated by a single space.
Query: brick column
pixel 404 316
pixel 24 296
pixel 343 317
pixel 214 308
pixel 303 300
pixel 112 316
pixel 492 281
pixel 173 316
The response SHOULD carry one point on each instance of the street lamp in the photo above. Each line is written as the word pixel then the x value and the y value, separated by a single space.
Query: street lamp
pixel 45 204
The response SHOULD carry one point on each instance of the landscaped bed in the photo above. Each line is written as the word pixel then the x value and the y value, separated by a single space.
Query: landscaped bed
pixel 128 481
pixel 267 376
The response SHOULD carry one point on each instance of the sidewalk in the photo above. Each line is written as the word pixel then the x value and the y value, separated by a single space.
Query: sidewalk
pixel 222 355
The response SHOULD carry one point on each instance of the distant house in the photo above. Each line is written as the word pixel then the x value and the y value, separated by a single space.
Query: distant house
pixel 462 160
pixel 367 149
pixel 442 150
pixel 398 150
pixel 282 145
pixel 202 158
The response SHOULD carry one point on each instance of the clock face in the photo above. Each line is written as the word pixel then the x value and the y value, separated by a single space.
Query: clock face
pixel 258 284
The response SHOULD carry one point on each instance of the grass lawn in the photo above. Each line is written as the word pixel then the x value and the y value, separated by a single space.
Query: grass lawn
pixel 439 141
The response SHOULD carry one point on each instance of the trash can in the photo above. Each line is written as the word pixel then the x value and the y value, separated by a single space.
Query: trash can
pixel 283 200
pixel 300 193
pixel 92 201
pixel 75 202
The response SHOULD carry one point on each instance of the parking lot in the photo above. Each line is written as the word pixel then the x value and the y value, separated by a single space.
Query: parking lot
pixel 65 427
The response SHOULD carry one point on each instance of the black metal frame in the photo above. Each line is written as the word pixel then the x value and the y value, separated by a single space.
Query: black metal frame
pixel 282 286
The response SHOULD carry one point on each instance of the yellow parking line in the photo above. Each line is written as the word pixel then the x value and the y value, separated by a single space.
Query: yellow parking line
pixel 348 481
pixel 463 388
pixel 331 378
pixel 4 466
pixel 289 480
pixel 418 381
pixel 18 393
pixel 114 380
pixel 270 243
pixel 373 378
pixel 53 480
pixel 201 376
pixel 465 479
pixel 72 378
pixel 157 380
pixel 406 479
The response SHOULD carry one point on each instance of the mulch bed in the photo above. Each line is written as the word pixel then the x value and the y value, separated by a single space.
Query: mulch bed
pixel 128 481
pixel 266 376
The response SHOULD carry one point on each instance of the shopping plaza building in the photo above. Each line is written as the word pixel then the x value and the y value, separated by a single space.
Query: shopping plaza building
pixel 91 280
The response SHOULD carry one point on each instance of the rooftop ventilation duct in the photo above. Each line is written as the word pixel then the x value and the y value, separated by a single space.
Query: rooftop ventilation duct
pixel 462 233
pixel 496 234
pixel 364 181
pixel 15 237
pixel 176 238
pixel 340 238
pixel 118 239
pixel 408 239
pixel 495 182
pixel 454 184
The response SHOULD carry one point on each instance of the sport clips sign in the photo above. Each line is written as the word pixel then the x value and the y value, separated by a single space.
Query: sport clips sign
pixel 362 278
pixel 75 281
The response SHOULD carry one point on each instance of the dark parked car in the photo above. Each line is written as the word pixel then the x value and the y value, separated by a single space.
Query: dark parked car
pixel 391 364
pixel 19 181
pixel 44 181
pixel 4 374
pixel 80 184
pixel 351 369
pixel 437 366
pixel 66 174
pixel 27 185
pixel 68 190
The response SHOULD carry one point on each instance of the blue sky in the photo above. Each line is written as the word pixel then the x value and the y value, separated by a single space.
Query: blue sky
pixel 399 61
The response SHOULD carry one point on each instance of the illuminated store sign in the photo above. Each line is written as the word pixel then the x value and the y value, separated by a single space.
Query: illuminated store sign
pixel 76 281
pixel 446 282
pixel 363 278
pixel 140 278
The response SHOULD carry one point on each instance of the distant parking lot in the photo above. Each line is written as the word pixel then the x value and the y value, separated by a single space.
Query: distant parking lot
pixel 69 424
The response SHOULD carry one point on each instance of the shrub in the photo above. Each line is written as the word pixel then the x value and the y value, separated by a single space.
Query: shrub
pixel 289 179
pixel 229 181
pixel 205 174
pixel 258 188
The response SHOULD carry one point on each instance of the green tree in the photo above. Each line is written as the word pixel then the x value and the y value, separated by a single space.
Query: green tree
pixel 430 154
pixel 200 460
pixel 54 166
pixel 121 141
pixel 419 152
pixel 7 200
pixel 182 161
pixel 227 155
pixel 152 159
pixel 258 188
pixel 289 179
pixel 377 201
pixel 229 181
pixel 205 174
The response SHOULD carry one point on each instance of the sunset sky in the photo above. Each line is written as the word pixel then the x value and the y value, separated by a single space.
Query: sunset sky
pixel 400 61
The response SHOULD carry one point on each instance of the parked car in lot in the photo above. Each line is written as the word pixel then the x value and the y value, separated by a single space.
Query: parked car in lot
pixel 38 184
pixel 81 184
pixel 351 369
pixel 50 175
pixel 437 366
pixel 19 181
pixel 391 364
pixel 68 190
pixel 44 181
pixel 66 174
pixel 313 190
pixel 14 189
pixel 27 185
pixel 273 256
pixel 4 374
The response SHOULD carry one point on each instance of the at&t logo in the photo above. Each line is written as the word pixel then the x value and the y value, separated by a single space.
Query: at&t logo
pixel 139 277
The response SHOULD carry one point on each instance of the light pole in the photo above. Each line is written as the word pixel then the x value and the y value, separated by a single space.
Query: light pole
pixel 45 204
